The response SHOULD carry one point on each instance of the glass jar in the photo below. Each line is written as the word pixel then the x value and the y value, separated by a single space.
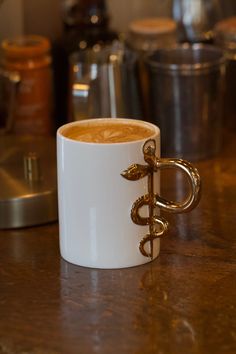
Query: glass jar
pixel 225 37
pixel 30 57
pixel 196 19
pixel 149 34
pixel 145 36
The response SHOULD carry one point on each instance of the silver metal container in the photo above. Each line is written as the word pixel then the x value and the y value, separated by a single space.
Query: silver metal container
pixel 28 180
pixel 186 99
pixel 104 83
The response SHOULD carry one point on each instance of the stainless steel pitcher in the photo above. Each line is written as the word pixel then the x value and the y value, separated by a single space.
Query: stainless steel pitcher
pixel 104 83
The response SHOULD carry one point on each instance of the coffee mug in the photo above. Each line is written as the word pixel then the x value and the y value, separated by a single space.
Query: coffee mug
pixel 109 192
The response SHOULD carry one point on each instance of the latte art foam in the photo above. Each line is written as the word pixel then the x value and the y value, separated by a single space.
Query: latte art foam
pixel 109 132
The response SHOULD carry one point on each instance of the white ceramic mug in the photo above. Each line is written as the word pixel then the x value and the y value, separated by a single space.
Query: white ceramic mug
pixel 108 194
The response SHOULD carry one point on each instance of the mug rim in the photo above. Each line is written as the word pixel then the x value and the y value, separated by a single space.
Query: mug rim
pixel 152 126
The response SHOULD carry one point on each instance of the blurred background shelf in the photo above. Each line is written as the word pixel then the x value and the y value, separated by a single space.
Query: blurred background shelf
pixel 25 17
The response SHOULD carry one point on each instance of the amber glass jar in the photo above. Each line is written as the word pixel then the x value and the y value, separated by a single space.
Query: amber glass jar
pixel 30 57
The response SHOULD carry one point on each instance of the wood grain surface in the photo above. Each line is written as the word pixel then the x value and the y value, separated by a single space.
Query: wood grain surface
pixel 183 302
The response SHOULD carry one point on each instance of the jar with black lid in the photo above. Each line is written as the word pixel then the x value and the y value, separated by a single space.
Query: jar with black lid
pixel 86 25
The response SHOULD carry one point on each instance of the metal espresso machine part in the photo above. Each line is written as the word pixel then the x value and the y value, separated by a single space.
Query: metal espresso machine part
pixel 28 183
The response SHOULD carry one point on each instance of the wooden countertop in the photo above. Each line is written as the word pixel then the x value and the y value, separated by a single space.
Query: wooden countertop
pixel 183 302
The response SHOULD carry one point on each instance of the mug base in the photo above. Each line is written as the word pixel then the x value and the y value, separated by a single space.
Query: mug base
pixel 108 266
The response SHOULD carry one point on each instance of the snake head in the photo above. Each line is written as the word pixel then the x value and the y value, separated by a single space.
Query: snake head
pixel 136 172
pixel 149 150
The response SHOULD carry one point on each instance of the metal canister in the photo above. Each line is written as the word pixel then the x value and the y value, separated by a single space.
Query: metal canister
pixel 186 98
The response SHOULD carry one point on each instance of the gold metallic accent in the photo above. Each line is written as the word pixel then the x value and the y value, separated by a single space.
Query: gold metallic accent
pixel 157 225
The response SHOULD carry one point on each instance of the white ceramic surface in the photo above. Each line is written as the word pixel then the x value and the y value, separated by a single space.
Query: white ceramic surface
pixel 95 201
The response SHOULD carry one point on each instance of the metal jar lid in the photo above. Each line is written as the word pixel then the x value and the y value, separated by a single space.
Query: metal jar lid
pixel 225 35
pixel 28 193
pixel 149 34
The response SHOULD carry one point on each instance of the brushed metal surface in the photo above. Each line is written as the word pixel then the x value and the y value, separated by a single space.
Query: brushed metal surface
pixel 26 202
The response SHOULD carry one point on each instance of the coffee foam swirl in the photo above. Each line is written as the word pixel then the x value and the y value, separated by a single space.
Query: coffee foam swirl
pixel 109 132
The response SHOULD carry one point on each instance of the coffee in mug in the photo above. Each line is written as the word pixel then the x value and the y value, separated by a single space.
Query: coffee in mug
pixel 109 192
pixel 108 132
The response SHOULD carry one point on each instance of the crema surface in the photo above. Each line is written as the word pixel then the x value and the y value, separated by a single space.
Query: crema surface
pixel 109 132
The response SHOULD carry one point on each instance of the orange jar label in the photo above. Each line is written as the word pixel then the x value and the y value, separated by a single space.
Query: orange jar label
pixel 33 109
